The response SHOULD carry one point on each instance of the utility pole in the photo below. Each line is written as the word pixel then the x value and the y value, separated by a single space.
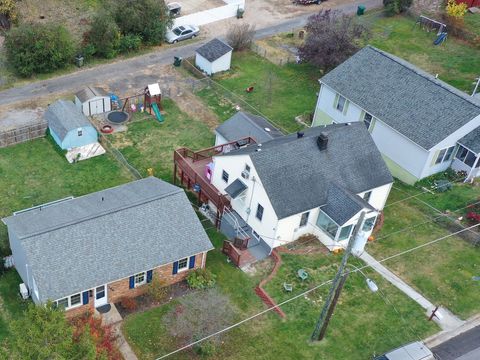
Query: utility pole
pixel 336 289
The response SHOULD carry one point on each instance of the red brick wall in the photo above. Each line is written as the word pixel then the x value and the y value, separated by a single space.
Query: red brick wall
pixel 120 289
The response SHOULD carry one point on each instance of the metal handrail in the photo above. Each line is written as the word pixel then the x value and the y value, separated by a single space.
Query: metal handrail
pixel 238 228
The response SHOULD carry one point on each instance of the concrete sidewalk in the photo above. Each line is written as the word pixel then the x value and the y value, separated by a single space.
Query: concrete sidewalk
pixel 443 317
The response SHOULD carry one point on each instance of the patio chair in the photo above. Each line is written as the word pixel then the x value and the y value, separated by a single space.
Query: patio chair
pixel 302 274
pixel 288 287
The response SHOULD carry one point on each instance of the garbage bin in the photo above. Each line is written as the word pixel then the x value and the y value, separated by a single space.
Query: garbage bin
pixel 361 10
pixel 177 61
pixel 79 60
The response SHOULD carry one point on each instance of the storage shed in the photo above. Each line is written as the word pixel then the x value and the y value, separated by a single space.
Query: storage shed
pixel 214 56
pixel 68 126
pixel 93 100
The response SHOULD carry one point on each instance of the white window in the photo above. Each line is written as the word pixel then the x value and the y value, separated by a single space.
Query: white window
pixel 140 278
pixel 369 223
pixel 444 155
pixel 367 119
pixel 183 264
pixel 341 103
pixel 367 196
pixel 304 219
pixel 345 232
pixel 80 132
pixel 259 213
pixel 225 176
pixel 69 302
pixel 466 156
pixel 328 225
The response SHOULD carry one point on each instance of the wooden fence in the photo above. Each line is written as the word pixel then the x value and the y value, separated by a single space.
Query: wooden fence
pixel 22 134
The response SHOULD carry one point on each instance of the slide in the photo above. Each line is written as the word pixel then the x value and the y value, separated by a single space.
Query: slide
pixel 440 39
pixel 157 112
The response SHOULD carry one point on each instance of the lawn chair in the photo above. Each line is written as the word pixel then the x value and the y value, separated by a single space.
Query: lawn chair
pixel 302 274
pixel 288 287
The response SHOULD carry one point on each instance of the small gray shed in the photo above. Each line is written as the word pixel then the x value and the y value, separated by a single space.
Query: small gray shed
pixel 93 100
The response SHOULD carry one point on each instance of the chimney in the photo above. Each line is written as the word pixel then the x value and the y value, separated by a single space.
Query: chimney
pixel 322 141
pixel 300 134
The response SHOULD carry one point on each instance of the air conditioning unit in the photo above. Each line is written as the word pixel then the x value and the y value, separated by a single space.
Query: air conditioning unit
pixel 245 174
pixel 23 291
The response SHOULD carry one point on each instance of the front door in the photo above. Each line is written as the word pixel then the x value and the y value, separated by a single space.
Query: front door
pixel 101 296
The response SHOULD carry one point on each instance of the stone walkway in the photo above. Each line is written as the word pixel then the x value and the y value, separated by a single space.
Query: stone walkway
pixel 114 319
pixel 443 317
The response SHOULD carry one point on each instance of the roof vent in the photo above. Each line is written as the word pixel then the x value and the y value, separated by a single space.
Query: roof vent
pixel 258 150
pixel 259 145
pixel 322 141
pixel 348 123
pixel 267 129
pixel 300 134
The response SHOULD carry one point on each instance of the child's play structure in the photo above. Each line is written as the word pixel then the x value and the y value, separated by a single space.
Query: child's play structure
pixel 429 24
pixel 147 100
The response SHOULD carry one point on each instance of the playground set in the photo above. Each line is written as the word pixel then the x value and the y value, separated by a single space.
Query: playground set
pixel 429 24
pixel 148 100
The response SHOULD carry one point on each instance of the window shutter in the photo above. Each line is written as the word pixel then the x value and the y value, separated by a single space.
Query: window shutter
pixel 191 264
pixel 435 156
pixel 149 276
pixel 85 297
pixel 131 282
pixel 175 268
pixel 345 108
pixel 335 102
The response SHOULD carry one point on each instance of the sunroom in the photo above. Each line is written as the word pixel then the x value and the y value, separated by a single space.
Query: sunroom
pixel 467 156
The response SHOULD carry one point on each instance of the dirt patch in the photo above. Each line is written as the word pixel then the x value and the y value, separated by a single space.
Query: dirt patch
pixel 306 244
pixel 145 302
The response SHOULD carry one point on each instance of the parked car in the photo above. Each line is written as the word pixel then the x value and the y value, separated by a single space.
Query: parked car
pixel 182 32
pixel 413 351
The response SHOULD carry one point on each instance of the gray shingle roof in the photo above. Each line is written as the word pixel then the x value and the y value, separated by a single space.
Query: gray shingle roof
pixel 81 243
pixel 424 109
pixel 243 124
pixel 214 49
pixel 63 116
pixel 472 140
pixel 342 205
pixel 90 92
pixel 296 175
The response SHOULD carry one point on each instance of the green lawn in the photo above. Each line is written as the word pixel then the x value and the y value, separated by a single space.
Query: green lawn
pixel 11 306
pixel 364 323
pixel 442 271
pixel 280 92
pixel 150 144
pixel 455 61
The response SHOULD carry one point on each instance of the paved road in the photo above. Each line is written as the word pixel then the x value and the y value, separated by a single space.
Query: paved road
pixel 135 66
pixel 465 346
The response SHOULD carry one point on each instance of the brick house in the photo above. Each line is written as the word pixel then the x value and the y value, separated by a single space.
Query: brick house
pixel 96 249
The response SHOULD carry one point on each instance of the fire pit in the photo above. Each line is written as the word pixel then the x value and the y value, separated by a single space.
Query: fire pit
pixel 117 116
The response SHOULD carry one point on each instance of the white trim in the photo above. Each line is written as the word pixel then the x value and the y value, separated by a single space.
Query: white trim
pixel 187 264
pixel 69 301
pixel 204 258
pixel 135 284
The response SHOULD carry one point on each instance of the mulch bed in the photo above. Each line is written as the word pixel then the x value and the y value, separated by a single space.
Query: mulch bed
pixel 145 302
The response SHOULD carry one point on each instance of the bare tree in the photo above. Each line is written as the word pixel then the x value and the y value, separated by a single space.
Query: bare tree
pixel 200 314
pixel 240 37
pixel 332 37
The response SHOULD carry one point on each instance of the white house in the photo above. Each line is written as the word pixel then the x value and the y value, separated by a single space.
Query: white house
pixel 93 100
pixel 242 125
pixel 420 124
pixel 213 57
pixel 313 182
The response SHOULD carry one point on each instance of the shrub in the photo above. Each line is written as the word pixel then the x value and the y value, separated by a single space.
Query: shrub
pixel 38 48
pixel 394 7
pixel 158 289
pixel 449 174
pixel 9 8
pixel 205 348
pixel 104 36
pixel 130 43
pixel 456 10
pixel 240 37
pixel 129 304
pixel 146 18
pixel 201 279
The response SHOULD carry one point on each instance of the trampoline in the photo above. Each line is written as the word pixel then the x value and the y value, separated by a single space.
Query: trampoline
pixel 117 117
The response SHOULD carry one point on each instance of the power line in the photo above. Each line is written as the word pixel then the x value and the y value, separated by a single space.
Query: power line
pixel 310 290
